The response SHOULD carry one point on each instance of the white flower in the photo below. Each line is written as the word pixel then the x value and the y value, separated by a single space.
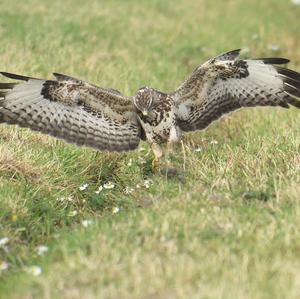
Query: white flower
pixel 109 185
pixel 129 162
pixel 273 47
pixel 72 213
pixel 115 210
pixel 62 199
pixel 87 222
pixel 3 266
pixel 198 150
pixel 41 250
pixel 296 2
pixel 128 190
pixel 4 241
pixel 147 183
pixel 34 270
pixel 142 160
pixel 99 189
pixel 214 142
pixel 83 186
pixel 70 198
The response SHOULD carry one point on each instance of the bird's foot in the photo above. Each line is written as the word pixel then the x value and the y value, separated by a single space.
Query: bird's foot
pixel 158 155
pixel 155 165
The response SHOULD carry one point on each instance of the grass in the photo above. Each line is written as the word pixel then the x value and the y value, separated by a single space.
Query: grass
pixel 229 230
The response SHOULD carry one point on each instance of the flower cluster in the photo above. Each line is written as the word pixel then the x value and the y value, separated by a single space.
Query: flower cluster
pixel 108 185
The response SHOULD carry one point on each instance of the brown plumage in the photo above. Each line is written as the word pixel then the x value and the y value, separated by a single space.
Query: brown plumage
pixel 73 110
pixel 85 114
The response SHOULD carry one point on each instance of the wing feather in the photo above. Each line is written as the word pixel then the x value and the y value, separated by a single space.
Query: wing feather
pixel 220 86
pixel 71 109
pixel 231 55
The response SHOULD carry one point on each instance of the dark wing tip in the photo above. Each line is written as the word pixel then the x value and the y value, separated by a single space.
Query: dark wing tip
pixel 287 73
pixel 274 60
pixel 291 81
pixel 62 77
pixel 58 75
pixel 234 53
pixel 293 100
pixel 17 77
pixel 231 55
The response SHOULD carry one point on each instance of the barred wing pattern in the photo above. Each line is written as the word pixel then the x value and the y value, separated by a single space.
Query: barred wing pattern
pixel 226 83
pixel 71 109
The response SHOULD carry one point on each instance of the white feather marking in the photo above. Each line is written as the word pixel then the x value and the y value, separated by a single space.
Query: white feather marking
pixel 173 137
pixel 184 111
pixel 263 74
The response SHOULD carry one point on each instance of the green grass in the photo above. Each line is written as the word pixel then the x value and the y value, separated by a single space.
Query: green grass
pixel 229 230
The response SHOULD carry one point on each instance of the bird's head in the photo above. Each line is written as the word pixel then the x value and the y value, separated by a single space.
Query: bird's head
pixel 143 100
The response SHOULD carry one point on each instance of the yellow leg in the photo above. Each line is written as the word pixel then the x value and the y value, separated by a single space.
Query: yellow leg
pixel 157 155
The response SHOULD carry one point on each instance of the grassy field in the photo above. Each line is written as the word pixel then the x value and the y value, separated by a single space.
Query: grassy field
pixel 230 229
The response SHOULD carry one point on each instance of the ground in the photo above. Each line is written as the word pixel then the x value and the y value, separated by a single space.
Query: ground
pixel 228 229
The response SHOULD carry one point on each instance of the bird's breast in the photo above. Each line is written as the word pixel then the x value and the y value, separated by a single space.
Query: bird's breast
pixel 158 123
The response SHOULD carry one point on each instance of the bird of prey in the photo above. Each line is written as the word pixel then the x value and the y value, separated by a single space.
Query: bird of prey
pixel 103 118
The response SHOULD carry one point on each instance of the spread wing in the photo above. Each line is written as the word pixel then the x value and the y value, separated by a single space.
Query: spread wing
pixel 71 109
pixel 226 83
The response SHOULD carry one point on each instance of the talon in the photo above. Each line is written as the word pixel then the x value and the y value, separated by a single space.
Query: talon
pixel 155 164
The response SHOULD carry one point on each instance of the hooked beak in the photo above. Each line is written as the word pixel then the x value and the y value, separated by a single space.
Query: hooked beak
pixel 145 113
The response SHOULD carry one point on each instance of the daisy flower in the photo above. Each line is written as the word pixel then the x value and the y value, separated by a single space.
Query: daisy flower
pixel 109 185
pixel 99 189
pixel 3 266
pixel 128 190
pixel 115 210
pixel 34 270
pixel 72 213
pixel 86 222
pixel 4 241
pixel 41 250
pixel 83 186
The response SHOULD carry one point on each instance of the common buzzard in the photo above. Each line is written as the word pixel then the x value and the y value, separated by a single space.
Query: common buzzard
pixel 85 114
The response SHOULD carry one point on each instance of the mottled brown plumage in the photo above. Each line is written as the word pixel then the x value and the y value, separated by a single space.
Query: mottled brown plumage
pixel 73 110
pixel 84 114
